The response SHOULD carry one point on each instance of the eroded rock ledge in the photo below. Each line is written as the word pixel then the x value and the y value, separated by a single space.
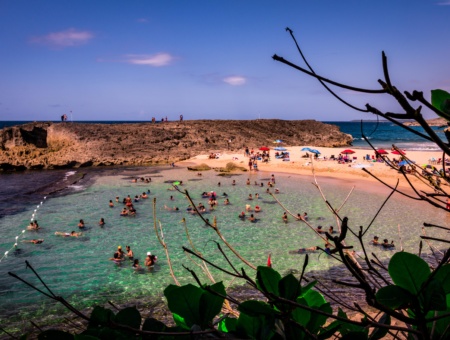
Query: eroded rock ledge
pixel 72 145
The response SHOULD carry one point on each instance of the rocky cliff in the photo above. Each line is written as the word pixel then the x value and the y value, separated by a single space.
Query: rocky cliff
pixel 71 145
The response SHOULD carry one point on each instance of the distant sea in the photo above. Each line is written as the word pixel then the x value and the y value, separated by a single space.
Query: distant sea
pixel 381 135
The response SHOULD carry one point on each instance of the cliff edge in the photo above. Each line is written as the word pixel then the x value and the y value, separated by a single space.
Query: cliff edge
pixel 43 145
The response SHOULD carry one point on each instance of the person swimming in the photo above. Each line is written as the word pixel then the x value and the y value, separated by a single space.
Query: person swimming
pixel 72 234
pixel 386 243
pixel 242 215
pixel 81 224
pixel 101 223
pixel 35 241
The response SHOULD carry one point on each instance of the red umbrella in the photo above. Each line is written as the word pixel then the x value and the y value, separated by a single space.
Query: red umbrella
pixel 264 148
pixel 381 152
pixel 347 151
pixel 398 152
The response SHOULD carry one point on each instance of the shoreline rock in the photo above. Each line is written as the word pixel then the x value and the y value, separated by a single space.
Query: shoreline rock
pixel 46 145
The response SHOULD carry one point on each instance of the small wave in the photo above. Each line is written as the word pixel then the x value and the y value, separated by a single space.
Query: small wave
pixel 77 187
pixel 68 174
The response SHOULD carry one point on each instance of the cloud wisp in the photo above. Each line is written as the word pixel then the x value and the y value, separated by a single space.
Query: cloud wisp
pixel 235 80
pixel 68 38
pixel 155 60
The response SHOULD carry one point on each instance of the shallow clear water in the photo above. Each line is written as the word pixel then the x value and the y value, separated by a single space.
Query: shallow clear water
pixel 79 268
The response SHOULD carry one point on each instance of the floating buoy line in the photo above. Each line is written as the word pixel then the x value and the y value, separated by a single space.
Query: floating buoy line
pixel 22 234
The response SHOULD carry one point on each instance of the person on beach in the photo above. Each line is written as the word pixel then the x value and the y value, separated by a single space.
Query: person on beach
pixel 150 260
pixel 375 241
pixel 387 245
pixel 116 259
pixel 34 241
pixel 129 254
pixel 307 250
pixel 136 265
pixel 72 234
pixel 120 253
pixel 101 223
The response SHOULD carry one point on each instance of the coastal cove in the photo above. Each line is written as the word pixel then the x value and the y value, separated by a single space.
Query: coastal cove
pixel 79 268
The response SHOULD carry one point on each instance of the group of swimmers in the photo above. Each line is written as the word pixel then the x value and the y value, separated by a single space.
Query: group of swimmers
pixel 128 209
pixel 384 244
pixel 120 257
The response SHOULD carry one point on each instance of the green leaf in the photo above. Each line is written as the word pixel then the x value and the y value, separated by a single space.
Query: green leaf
pixel 289 287
pixel 441 325
pixel 433 297
pixel 301 316
pixel 292 330
pixel 185 302
pixel 379 333
pixel 328 331
pixel 249 327
pixel 100 316
pixel 393 296
pixel 408 271
pixel 267 279
pixel 179 321
pixel 314 298
pixel 211 304
pixel 151 324
pixel 55 334
pixel 129 317
pixel 256 308
pixel 440 99
pixel 443 276
pixel 318 320
pixel 227 325
pixel 308 286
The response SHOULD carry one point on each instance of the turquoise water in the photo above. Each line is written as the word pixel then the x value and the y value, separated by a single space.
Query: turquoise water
pixel 79 268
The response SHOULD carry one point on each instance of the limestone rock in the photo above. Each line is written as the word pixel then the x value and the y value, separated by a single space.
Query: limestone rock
pixel 72 145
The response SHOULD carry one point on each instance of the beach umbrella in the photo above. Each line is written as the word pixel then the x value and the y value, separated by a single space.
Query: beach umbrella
pixel 264 148
pixel 317 152
pixel 278 141
pixel 398 152
pixel 381 152
pixel 280 148
pixel 347 151
pixel 406 162
pixel 306 149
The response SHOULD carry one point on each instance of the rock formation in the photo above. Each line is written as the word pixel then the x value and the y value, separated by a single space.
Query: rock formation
pixel 71 145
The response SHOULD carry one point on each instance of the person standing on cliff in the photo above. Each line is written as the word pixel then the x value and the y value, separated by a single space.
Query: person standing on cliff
pixel 181 118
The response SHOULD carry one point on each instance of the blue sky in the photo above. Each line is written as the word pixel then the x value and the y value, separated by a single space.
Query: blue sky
pixel 134 60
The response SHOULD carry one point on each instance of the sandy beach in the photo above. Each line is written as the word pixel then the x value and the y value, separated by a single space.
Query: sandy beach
pixel 323 166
